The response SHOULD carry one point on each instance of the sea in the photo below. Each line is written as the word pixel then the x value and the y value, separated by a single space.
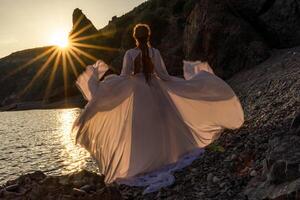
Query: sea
pixel 42 140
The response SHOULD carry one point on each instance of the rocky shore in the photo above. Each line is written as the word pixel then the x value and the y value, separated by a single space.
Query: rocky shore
pixel 82 185
pixel 259 161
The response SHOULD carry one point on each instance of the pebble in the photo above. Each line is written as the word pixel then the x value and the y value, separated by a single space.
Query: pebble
pixel 253 173
pixel 209 177
pixel 233 156
pixel 222 184
pixel 194 170
pixel 201 194
pixel 215 179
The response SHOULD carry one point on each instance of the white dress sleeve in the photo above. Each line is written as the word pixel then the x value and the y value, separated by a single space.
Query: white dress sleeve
pixel 160 67
pixel 127 67
pixel 193 68
pixel 88 81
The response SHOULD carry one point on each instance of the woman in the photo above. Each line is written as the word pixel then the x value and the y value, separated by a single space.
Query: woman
pixel 146 120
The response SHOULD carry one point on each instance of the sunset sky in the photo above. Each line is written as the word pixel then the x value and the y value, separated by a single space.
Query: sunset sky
pixel 33 23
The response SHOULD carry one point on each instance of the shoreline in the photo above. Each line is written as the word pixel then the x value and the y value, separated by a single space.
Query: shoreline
pixel 74 102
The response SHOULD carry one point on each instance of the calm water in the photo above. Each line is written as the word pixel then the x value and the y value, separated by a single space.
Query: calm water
pixel 40 140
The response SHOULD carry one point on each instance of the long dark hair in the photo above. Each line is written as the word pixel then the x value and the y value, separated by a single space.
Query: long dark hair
pixel 141 34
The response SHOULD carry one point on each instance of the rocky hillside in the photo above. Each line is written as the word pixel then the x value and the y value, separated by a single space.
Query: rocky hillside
pixel 231 35
pixel 260 160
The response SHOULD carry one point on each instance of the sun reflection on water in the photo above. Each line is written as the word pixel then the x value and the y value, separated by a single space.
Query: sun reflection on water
pixel 75 157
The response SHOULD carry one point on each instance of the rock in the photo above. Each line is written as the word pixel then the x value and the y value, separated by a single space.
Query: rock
pixel 1 192
pixel 88 188
pixel 209 177
pixel 78 192
pixel 215 179
pixel 64 180
pixel 12 188
pixel 231 157
pixel 84 177
pixel 226 41
pixel 222 185
pixel 296 124
pixel 237 34
pixel 277 21
pixel 50 181
pixel 253 173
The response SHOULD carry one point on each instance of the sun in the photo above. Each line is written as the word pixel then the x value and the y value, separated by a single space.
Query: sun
pixel 60 38
pixel 67 51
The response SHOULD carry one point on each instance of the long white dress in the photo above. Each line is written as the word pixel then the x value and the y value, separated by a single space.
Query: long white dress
pixel 132 128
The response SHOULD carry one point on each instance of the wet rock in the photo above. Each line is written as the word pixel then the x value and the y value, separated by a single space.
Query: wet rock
pixel 12 188
pixel 78 192
pixel 88 188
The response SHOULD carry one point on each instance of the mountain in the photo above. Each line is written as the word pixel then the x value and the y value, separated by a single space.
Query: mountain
pixel 232 35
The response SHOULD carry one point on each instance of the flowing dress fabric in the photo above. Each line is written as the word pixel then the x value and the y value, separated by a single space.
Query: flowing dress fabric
pixel 133 128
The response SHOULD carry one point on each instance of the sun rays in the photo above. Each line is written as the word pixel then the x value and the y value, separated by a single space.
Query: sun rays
pixel 60 39
pixel 69 51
